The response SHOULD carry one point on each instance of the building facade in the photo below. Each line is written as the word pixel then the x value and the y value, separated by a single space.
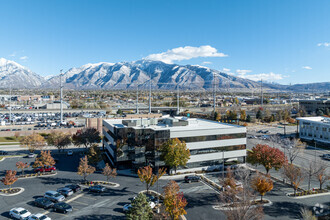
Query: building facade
pixel 311 105
pixel 315 128
pixel 133 143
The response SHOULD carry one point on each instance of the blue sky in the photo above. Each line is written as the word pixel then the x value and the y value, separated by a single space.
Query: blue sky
pixel 285 41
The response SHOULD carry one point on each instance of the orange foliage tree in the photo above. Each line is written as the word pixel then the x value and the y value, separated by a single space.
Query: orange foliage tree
pixel 269 157
pixel 10 178
pixel 33 142
pixel 293 174
pixel 20 165
pixel 262 185
pixel 109 172
pixel 174 200
pixel 84 168
pixel 146 176
pixel 44 159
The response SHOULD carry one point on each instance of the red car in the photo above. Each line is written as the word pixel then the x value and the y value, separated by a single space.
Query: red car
pixel 44 169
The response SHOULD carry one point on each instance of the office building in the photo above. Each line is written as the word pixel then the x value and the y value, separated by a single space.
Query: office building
pixel 315 128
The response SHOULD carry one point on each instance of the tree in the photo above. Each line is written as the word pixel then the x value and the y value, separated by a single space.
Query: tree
pixel 293 148
pixel 146 176
pixel 20 165
pixel 10 178
pixel 259 114
pixel 140 209
pixel 239 203
pixel 294 175
pixel 33 142
pixel 84 169
pixel 174 200
pixel 94 155
pixel 175 153
pixel 108 172
pixel 243 115
pixel 261 184
pixel 321 173
pixel 59 139
pixel 119 112
pixel 307 214
pixel 248 118
pixel 269 157
pixel 86 137
pixel 44 159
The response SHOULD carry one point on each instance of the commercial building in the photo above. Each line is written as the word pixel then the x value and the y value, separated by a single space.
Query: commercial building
pixel 315 128
pixel 133 143
pixel 313 105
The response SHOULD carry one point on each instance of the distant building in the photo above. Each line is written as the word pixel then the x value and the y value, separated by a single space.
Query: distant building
pixel 315 128
pixel 53 105
pixel 132 143
pixel 311 106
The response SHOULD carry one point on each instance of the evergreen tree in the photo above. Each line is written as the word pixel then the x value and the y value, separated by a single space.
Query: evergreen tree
pixel 141 209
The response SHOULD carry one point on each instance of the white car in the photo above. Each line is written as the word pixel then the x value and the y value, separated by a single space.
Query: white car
pixel 31 155
pixel 39 216
pixel 19 213
pixel 70 153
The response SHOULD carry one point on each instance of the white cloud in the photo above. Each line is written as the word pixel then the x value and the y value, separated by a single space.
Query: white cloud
pixel 263 76
pixel 325 44
pixel 24 58
pixel 225 69
pixel 307 67
pixel 242 73
pixel 13 54
pixel 185 53
pixel 207 62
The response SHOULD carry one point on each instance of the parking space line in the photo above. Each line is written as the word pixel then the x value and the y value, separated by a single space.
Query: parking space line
pixel 81 203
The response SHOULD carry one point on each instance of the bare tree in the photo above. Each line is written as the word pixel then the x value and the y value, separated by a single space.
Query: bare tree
pixel 293 174
pixel 239 201
pixel 293 148
pixel 321 174
pixel 310 171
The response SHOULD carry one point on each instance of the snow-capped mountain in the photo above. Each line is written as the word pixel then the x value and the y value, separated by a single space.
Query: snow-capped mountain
pixel 17 76
pixel 127 75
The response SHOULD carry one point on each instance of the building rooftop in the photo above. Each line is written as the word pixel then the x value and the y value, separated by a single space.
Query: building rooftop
pixel 319 119
pixel 170 123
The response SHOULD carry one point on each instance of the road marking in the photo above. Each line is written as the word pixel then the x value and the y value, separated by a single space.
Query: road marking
pixel 82 203
pixel 70 200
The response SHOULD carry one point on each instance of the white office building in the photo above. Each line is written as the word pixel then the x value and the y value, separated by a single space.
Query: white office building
pixel 315 128
pixel 134 142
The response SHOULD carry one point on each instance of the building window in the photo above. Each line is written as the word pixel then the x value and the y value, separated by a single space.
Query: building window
pixel 212 137
pixel 217 149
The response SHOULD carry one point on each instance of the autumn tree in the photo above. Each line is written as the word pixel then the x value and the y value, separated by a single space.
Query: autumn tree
pixel 21 166
pixel 175 153
pixel 94 155
pixel 239 203
pixel 321 173
pixel 10 178
pixel 108 172
pixel 269 157
pixel 44 159
pixel 86 137
pixel 84 168
pixel 146 176
pixel 261 184
pixel 294 175
pixel 243 115
pixel 33 142
pixel 174 200
pixel 59 139
pixel 140 209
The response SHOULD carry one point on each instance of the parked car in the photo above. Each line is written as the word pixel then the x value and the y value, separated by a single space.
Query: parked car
pixel 2 152
pixel 43 203
pixel 96 188
pixel 65 191
pixel 54 196
pixel 31 155
pixel 62 207
pixel 127 207
pixel 189 179
pixel 75 188
pixel 38 216
pixel 19 213
pixel 70 153
pixel 45 169
pixel 326 156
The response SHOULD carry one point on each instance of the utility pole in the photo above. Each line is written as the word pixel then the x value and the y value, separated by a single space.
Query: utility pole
pixel 137 99
pixel 61 98
pixel 262 95
pixel 178 100
pixel 10 104
pixel 214 98
pixel 150 95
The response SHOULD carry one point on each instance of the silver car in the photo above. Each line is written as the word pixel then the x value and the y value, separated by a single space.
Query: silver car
pixel 54 196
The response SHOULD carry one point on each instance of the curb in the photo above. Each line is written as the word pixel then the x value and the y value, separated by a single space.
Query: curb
pixel 11 157
pixel 105 185
pixel 14 194
pixel 53 174
pixel 307 196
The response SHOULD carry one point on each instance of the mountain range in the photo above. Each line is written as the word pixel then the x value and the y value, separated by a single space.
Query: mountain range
pixel 130 75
